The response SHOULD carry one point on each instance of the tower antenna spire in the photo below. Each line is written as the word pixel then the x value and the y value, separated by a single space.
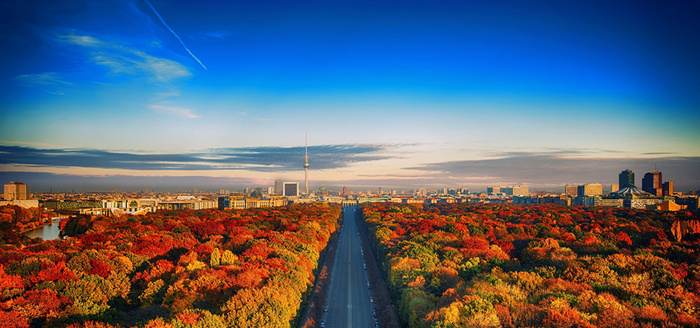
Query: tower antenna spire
pixel 306 163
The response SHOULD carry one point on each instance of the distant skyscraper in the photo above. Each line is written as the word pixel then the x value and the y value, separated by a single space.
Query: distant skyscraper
pixel 521 190
pixel 291 189
pixel 667 188
pixel 652 183
pixel 626 179
pixel 571 190
pixel 279 187
pixel 590 189
pixel 524 190
pixel 306 165
pixel 614 187
pixel 16 191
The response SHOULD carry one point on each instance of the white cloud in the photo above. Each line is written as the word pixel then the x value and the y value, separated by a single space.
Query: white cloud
pixel 120 59
pixel 179 111
pixel 81 40
pixel 41 79
pixel 162 69
pixel 219 34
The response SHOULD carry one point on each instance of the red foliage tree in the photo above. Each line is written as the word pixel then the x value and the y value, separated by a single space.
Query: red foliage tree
pixel 99 268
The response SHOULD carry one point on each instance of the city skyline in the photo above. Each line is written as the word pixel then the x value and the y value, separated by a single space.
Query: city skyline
pixel 159 95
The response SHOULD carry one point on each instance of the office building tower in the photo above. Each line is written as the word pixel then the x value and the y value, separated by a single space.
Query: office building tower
pixel 291 189
pixel 626 179
pixel 279 187
pixel 515 190
pixel 614 187
pixel 16 191
pixel 652 183
pixel 571 190
pixel 521 190
pixel 590 189
pixel 667 188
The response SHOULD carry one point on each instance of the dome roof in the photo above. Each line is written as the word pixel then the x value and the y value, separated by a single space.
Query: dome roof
pixel 630 191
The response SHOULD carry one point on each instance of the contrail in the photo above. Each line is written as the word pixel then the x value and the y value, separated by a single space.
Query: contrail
pixel 175 34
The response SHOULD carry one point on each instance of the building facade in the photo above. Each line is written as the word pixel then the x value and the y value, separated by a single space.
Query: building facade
pixel 614 187
pixel 571 190
pixel 652 183
pixel 590 189
pixel 191 204
pixel 279 187
pixel 291 189
pixel 16 191
pixel 626 179
pixel 667 188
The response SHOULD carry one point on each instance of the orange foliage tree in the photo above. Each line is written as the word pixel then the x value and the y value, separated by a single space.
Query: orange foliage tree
pixel 504 265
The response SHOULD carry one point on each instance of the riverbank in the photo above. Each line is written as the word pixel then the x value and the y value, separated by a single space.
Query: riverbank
pixel 49 230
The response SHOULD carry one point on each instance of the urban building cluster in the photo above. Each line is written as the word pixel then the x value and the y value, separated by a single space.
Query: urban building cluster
pixel 655 194
pixel 508 191
pixel 17 193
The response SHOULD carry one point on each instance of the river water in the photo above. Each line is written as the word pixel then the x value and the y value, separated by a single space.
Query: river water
pixel 47 232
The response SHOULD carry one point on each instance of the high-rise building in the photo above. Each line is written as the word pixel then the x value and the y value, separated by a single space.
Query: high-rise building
pixel 590 189
pixel 626 179
pixel 571 190
pixel 521 190
pixel 493 190
pixel 279 187
pixel 667 188
pixel 16 191
pixel 614 187
pixel 652 183
pixel 291 189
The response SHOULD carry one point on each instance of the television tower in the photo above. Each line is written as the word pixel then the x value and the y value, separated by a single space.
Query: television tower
pixel 306 164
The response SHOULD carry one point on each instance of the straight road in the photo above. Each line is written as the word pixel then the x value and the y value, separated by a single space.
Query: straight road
pixel 349 303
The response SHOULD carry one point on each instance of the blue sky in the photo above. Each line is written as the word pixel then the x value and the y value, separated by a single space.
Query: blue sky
pixel 395 94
